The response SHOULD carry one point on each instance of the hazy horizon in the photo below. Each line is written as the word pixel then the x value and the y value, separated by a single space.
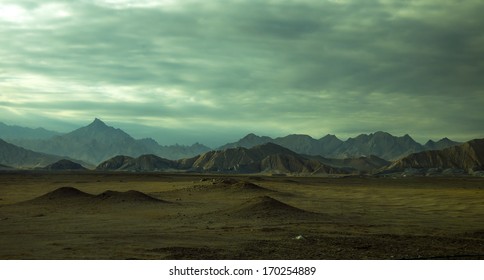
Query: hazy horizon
pixel 213 71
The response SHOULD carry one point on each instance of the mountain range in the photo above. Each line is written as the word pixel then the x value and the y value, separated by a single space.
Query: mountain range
pixel 363 164
pixel 380 144
pixel 113 149
pixel 97 142
pixel 265 158
pixel 268 158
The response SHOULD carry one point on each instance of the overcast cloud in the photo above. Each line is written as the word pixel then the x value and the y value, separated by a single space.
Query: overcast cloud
pixel 212 71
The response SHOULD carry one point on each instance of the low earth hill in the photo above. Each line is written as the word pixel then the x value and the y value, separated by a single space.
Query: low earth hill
pixel 144 163
pixel 64 164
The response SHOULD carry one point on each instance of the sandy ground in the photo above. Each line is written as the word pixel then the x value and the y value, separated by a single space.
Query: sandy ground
pixel 178 216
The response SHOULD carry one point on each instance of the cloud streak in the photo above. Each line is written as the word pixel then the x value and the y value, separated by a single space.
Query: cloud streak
pixel 312 67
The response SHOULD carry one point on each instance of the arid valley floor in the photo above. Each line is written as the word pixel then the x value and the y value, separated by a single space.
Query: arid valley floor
pixel 92 215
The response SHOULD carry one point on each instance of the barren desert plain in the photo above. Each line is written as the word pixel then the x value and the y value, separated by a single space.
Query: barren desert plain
pixel 100 215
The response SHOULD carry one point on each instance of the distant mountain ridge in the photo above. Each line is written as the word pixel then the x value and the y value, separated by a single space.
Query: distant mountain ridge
pixel 18 157
pixel 268 158
pixel 92 143
pixel 8 132
pixel 441 144
pixel 380 144
pixel 97 142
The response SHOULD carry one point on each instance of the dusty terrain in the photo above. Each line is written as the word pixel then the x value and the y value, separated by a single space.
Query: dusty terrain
pixel 89 215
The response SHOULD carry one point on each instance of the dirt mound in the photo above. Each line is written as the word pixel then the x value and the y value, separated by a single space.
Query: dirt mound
pixel 63 194
pixel 222 181
pixel 127 197
pixel 268 207
pixel 69 196
pixel 231 185
pixel 248 186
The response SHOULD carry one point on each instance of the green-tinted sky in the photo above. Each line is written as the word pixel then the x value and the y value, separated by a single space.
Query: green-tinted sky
pixel 214 70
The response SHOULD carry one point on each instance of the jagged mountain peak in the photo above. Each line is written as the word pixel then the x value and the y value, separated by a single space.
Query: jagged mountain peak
pixel 377 134
pixel 255 137
pixel 97 124
pixel 329 137
pixel 381 133
pixel 380 143
pixel 445 140
pixel 297 135
pixel 250 136
pixel 248 141
pixel 440 144
pixel 98 128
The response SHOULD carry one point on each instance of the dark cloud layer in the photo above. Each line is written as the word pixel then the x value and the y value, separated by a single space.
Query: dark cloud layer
pixel 273 67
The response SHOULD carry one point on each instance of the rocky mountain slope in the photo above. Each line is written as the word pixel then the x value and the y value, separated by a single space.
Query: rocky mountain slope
pixel 18 157
pixel 267 158
pixel 147 163
pixel 363 164
pixel 468 157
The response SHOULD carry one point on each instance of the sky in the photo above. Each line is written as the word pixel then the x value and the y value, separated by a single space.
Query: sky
pixel 212 71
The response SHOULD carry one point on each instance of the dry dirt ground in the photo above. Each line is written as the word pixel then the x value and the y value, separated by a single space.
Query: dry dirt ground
pixel 93 215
